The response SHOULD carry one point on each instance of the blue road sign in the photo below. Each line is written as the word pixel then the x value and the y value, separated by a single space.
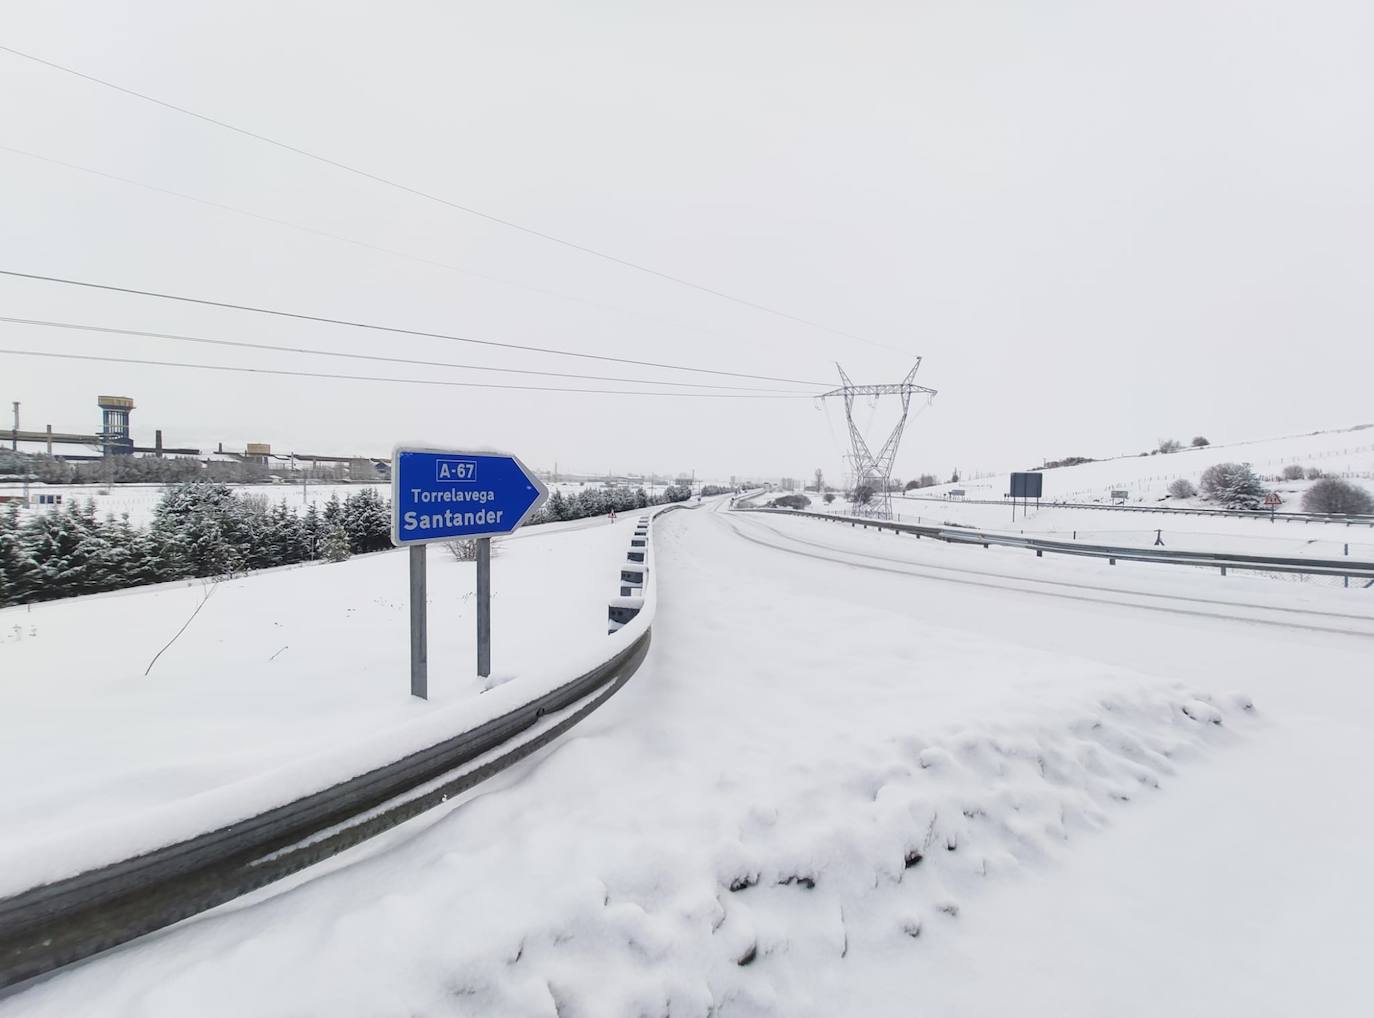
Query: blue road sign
pixel 441 494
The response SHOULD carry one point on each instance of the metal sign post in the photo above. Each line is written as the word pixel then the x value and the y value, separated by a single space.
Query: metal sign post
pixel 484 606
pixel 448 495
pixel 1026 485
pixel 419 625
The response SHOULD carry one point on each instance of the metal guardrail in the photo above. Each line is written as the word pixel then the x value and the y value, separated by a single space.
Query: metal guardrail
pixel 56 924
pixel 1349 520
pixel 1216 560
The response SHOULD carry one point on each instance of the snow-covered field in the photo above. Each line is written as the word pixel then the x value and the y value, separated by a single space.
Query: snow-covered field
pixel 1343 453
pixel 859 775
pixel 285 681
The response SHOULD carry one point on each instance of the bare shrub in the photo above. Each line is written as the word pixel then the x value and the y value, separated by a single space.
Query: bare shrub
pixel 465 549
pixel 1333 495
pixel 1182 488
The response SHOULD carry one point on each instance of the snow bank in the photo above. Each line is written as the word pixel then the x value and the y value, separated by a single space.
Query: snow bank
pixel 287 682
pixel 891 848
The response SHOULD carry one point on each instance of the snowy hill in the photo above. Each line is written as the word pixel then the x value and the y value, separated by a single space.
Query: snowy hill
pixel 1346 453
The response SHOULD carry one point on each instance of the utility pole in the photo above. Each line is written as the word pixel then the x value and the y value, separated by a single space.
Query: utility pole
pixel 14 442
pixel 871 471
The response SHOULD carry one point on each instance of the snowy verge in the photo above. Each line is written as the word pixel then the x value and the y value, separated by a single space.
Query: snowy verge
pixel 892 850
pixel 87 839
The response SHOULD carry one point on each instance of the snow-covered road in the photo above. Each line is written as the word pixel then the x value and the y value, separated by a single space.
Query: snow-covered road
pixel 853 779
pixel 1169 588
pixel 1245 890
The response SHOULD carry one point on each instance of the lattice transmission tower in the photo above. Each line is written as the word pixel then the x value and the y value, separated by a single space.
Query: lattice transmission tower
pixel 871 471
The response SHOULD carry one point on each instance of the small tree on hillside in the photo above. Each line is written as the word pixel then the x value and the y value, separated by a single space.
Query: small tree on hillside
pixel 1293 472
pixel 367 521
pixel 863 494
pixel 1333 495
pixel 335 547
pixel 312 532
pixel 66 552
pixel 1170 445
pixel 1313 473
pixel 557 506
pixel 209 523
pixel 590 502
pixel 829 497
pixel 1182 488
pixel 1199 442
pixel 15 574
pixel 1234 485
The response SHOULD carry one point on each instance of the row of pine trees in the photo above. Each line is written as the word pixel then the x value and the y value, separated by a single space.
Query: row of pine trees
pixel 198 530
pixel 600 501
pixel 208 530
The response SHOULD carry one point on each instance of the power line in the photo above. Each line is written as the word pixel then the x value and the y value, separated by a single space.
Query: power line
pixel 381 378
pixel 244 344
pixel 341 238
pixel 406 188
pixel 449 337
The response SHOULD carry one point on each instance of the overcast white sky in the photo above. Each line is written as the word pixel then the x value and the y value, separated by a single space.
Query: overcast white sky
pixel 1100 222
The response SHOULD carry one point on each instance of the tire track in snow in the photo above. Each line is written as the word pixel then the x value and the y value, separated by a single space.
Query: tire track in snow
pixel 752 521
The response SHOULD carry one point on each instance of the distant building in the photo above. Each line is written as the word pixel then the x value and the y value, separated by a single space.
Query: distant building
pixel 114 424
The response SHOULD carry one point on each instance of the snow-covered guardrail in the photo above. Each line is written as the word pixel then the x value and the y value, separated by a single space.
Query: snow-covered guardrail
pixel 57 923
pixel 1355 568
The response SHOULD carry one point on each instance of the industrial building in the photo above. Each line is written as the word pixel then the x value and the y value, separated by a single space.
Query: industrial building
pixel 115 437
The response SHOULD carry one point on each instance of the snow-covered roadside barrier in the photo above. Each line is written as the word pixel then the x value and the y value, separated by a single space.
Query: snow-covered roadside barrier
pixel 1362 570
pixel 146 854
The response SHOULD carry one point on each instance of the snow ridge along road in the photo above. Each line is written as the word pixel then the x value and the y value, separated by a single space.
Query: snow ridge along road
pixel 61 922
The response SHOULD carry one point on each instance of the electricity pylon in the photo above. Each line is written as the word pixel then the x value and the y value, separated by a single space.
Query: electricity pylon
pixel 874 472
